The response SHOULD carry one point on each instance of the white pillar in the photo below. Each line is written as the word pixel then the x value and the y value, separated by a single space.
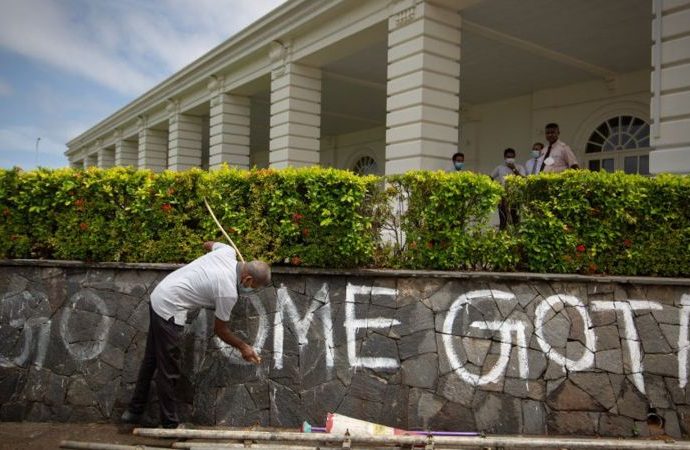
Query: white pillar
pixel 423 88
pixel 126 153
pixel 106 157
pixel 229 131
pixel 295 116
pixel 91 160
pixel 184 145
pixel 153 149
pixel 670 105
pixel 77 164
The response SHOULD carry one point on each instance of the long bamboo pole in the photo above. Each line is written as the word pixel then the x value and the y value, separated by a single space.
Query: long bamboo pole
pixel 103 446
pixel 222 230
pixel 439 442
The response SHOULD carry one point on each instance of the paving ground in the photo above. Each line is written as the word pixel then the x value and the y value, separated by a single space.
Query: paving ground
pixel 35 436
pixel 48 436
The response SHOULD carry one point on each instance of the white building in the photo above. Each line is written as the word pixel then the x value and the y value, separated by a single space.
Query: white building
pixel 385 86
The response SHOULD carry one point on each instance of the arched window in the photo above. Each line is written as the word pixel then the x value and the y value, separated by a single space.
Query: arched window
pixel 619 143
pixel 366 165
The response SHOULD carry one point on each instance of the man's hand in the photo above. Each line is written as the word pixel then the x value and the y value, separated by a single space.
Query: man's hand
pixel 250 355
pixel 247 351
pixel 208 246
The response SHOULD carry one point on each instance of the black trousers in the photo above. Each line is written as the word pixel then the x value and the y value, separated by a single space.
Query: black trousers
pixel 507 215
pixel 162 357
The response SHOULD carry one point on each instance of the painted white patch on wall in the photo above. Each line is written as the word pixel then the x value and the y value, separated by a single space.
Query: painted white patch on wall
pixel 321 303
pixel 631 336
pixel 352 324
pixel 506 328
pixel 13 313
pixel 683 341
pixel 83 351
pixel 234 355
pixel 557 303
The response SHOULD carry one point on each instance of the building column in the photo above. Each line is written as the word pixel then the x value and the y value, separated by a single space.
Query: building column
pixel 106 157
pixel 91 160
pixel 153 149
pixel 229 131
pixel 126 153
pixel 670 105
pixel 295 112
pixel 422 109
pixel 184 139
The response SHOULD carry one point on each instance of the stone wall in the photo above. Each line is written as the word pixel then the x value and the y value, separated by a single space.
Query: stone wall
pixel 502 353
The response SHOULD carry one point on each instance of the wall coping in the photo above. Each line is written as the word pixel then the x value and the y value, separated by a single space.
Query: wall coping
pixel 514 276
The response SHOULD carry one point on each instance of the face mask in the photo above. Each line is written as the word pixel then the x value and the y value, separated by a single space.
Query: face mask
pixel 535 153
pixel 510 160
pixel 245 290
pixel 242 289
pixel 459 165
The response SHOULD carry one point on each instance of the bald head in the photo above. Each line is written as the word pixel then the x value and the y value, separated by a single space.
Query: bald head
pixel 256 274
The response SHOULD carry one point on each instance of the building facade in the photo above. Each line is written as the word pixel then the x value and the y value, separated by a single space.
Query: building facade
pixel 386 86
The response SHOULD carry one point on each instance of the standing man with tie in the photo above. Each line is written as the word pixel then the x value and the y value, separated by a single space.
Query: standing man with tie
pixel 558 156
pixel 534 163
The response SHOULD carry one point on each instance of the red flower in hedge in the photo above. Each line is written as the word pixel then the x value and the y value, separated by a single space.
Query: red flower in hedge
pixel 5 212
pixel 295 260
pixel 580 248
pixel 296 217
pixel 593 268
pixel 413 245
pixel 14 237
pixel 79 203
pixel 429 245
pixel 627 243
pixel 167 207
pixel 83 226
pixel 305 232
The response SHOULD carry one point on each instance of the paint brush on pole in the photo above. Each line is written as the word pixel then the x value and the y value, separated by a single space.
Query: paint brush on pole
pixel 222 230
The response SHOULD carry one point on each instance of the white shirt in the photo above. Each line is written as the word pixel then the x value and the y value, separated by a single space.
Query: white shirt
pixel 209 281
pixel 533 164
pixel 560 158
pixel 501 172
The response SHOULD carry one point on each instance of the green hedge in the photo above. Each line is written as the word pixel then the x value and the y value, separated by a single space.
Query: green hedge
pixel 575 222
pixel 445 222
pixel 315 217
pixel 598 222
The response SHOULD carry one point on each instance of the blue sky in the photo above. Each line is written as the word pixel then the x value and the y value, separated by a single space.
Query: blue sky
pixel 67 64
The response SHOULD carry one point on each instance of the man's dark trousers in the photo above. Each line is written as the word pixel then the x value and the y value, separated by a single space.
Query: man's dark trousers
pixel 162 356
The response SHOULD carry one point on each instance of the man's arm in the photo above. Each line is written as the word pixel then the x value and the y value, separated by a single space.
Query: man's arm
pixel 570 158
pixel 222 330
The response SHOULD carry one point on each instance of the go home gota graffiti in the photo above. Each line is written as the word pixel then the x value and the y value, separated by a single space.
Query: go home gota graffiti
pixel 508 332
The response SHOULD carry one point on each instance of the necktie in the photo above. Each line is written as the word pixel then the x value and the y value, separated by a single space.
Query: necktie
pixel 543 161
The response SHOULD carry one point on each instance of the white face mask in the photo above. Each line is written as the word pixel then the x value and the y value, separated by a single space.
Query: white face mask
pixel 510 160
pixel 535 153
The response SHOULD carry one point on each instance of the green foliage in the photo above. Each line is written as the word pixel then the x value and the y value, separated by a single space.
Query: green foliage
pixel 597 222
pixel 445 222
pixel 314 217
pixel 574 222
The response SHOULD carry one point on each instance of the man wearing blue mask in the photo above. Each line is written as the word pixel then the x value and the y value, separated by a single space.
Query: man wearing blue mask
pixel 506 213
pixel 459 161
pixel 534 163
pixel 213 281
